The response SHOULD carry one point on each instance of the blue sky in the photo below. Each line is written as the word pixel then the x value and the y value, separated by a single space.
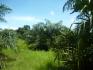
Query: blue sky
pixel 29 12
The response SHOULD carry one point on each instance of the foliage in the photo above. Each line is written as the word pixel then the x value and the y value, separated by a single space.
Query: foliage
pixel 7 40
pixel 4 42
pixel 65 48
pixel 24 33
pixel 81 39
pixel 73 48
pixel 43 34
pixel 3 11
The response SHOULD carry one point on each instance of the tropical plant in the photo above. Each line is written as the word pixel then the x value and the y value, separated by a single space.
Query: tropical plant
pixel 3 11
pixel 43 34
pixel 84 31
pixel 3 40
pixel 7 40
pixel 24 33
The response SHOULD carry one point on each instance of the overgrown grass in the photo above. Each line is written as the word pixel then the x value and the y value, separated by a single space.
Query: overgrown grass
pixel 25 59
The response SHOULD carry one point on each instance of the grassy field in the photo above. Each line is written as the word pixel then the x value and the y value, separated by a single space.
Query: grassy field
pixel 25 59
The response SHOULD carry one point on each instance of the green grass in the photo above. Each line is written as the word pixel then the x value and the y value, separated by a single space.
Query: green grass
pixel 25 59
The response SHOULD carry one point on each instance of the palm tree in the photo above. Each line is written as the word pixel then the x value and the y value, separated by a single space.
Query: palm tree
pixel 85 10
pixel 84 7
pixel 4 41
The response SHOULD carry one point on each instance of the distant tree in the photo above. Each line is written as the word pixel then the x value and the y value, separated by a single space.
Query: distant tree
pixel 8 39
pixel 24 33
pixel 43 34
pixel 26 27
pixel 39 36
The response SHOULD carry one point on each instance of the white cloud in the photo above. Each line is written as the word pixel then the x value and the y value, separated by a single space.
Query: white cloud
pixel 22 18
pixel 52 13
pixel 13 22
pixel 6 26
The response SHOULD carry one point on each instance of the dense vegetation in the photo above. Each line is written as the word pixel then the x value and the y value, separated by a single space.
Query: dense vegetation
pixel 60 47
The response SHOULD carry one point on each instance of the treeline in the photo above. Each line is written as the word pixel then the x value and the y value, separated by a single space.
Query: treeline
pixel 41 36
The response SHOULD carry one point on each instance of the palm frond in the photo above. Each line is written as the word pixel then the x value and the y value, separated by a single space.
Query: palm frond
pixel 4 10
pixel 68 5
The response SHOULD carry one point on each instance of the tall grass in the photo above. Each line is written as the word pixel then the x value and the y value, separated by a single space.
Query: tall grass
pixel 26 59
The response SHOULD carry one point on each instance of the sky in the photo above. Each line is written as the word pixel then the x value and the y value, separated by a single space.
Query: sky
pixel 30 12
